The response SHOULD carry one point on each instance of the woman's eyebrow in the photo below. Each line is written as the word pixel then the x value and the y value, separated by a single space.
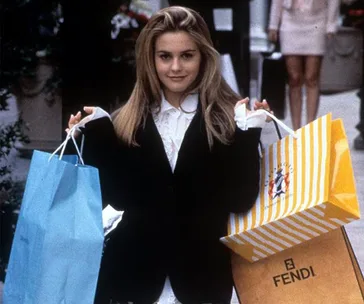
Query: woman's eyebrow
pixel 184 51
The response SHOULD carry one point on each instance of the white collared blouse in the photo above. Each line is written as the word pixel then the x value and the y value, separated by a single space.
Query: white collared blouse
pixel 172 124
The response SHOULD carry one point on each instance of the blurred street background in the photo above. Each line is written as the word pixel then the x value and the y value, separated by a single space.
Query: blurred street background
pixel 87 59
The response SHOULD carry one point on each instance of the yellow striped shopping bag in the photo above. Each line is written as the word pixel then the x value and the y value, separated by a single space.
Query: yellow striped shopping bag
pixel 307 189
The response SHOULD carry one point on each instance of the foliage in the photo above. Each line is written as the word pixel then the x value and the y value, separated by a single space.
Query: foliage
pixel 30 32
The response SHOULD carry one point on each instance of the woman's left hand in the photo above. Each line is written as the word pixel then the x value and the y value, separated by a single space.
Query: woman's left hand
pixel 264 106
pixel 240 102
pixel 257 105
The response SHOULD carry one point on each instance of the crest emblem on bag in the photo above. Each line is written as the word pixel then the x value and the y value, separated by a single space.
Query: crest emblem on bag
pixel 278 181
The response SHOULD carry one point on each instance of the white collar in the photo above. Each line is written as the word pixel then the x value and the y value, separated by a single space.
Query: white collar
pixel 188 105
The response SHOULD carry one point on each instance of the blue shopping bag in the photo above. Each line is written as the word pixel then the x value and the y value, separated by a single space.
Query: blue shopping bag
pixel 58 242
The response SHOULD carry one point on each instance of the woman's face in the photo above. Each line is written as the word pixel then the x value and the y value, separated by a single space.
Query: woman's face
pixel 177 61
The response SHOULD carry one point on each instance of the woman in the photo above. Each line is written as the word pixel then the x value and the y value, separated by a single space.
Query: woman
pixel 175 162
pixel 304 26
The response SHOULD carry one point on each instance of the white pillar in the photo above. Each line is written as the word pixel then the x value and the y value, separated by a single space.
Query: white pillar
pixel 258 42
pixel 258 18
pixel 157 4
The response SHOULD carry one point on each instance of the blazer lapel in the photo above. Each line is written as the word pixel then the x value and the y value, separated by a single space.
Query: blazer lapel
pixel 152 147
pixel 194 142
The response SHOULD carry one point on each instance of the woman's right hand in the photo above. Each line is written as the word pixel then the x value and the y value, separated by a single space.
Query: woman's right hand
pixel 75 119
pixel 273 35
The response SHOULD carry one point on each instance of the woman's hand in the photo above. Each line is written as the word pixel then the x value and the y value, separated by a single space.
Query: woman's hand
pixel 261 105
pixel 240 102
pixel 273 35
pixel 264 106
pixel 257 104
pixel 75 119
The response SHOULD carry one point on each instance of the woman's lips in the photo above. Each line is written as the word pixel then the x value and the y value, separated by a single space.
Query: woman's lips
pixel 177 78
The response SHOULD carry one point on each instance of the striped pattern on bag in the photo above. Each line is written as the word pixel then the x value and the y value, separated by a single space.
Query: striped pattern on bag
pixel 291 208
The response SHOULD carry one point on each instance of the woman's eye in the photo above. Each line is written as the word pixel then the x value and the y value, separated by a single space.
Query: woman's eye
pixel 187 56
pixel 164 56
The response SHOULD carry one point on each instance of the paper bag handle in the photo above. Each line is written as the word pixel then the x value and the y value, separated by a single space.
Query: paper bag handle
pixel 71 135
pixel 277 129
pixel 277 122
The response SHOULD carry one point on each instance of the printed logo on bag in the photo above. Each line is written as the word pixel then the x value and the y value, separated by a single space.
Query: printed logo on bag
pixel 293 275
pixel 278 181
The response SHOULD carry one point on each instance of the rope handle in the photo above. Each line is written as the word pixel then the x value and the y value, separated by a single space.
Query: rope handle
pixel 62 147
pixel 243 115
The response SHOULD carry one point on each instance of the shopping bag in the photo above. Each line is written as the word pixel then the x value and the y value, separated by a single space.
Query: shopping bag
pixel 58 242
pixel 321 271
pixel 307 189
pixel 343 57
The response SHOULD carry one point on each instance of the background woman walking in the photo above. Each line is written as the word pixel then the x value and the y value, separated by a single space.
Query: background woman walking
pixel 303 28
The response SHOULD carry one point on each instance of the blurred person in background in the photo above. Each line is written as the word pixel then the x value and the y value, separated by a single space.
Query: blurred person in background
pixel 353 11
pixel 303 28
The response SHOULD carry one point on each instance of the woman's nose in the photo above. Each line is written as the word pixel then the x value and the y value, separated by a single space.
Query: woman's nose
pixel 176 64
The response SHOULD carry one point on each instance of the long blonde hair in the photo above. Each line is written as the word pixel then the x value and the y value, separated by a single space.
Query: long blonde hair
pixel 216 97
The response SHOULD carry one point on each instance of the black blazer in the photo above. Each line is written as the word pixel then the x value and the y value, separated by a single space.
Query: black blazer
pixel 173 220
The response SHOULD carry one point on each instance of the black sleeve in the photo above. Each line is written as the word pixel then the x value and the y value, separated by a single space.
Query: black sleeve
pixel 102 150
pixel 240 170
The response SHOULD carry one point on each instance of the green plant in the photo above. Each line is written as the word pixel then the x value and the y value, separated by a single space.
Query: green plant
pixel 10 190
pixel 30 33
